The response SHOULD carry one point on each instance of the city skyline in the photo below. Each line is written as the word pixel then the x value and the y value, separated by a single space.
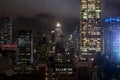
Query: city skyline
pixel 60 40
pixel 44 15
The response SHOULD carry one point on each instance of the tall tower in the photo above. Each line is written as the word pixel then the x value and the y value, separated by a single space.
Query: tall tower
pixel 42 46
pixel 76 39
pixel 5 31
pixel 58 32
pixel 25 47
pixel 112 38
pixel 90 29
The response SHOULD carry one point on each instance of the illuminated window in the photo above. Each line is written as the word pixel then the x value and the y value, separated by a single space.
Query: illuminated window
pixel 46 78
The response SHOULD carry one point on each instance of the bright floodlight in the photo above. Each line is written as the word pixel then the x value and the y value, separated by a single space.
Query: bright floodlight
pixel 58 25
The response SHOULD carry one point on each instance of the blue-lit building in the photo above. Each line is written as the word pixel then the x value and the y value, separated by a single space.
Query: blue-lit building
pixel 112 37
pixel 25 47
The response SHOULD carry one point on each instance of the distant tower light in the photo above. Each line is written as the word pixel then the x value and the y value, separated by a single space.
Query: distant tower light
pixel 58 25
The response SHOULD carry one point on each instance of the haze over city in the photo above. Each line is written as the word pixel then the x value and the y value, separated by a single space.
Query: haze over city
pixel 59 40
pixel 44 14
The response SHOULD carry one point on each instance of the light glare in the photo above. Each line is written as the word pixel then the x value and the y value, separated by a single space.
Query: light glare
pixel 58 25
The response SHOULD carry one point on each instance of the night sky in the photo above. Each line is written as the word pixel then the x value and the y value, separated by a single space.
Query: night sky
pixel 42 15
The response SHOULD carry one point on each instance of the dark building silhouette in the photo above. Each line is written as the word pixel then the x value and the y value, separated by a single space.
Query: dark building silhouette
pixel 41 47
pixel 5 30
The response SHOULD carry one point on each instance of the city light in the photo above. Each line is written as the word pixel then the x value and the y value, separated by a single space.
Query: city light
pixel 58 25
pixel 115 45
pixel 116 48
pixel 52 31
pixel 10 46
pixel 112 19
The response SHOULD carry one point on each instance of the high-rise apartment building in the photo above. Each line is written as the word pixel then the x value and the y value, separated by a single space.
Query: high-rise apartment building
pixel 5 31
pixel 90 28
pixel 25 47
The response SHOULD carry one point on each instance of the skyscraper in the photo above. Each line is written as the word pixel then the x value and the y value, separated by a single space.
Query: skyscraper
pixel 58 32
pixel 112 37
pixel 76 40
pixel 42 46
pixel 52 43
pixel 64 65
pixel 25 47
pixel 90 28
pixel 53 36
pixel 5 31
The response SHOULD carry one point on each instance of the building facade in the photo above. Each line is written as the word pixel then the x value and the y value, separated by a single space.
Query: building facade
pixel 112 37
pixel 5 31
pixel 64 65
pixel 90 29
pixel 58 32
pixel 52 44
pixel 41 47
pixel 75 40
pixel 25 47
